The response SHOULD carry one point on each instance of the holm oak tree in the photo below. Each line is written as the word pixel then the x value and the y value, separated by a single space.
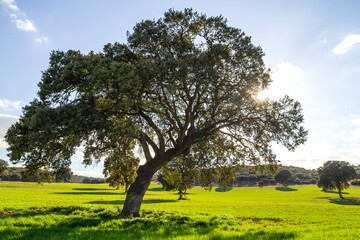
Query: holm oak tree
pixel 120 169
pixel 183 84
pixel 335 175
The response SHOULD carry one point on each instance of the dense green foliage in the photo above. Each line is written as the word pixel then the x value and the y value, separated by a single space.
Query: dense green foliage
pixel 335 175
pixel 4 168
pixel 283 177
pixel 120 170
pixel 179 175
pixel 183 84
pixel 88 211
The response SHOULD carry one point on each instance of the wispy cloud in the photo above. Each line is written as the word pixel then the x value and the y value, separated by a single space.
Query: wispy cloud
pixel 10 4
pixel 25 25
pixel 20 19
pixel 41 39
pixel 348 42
pixel 10 105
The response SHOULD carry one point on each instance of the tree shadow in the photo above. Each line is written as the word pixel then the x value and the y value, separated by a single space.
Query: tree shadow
pixel 346 201
pixel 157 189
pixel 286 189
pixel 336 192
pixel 93 189
pixel 219 189
pixel 91 193
pixel 152 225
pixel 121 202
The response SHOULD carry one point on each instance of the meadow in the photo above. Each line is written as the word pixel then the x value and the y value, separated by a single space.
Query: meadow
pixel 89 211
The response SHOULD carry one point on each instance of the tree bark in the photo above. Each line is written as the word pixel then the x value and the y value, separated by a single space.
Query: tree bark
pixel 142 181
pixel 181 195
pixel 136 192
pixel 340 194
pixel 126 186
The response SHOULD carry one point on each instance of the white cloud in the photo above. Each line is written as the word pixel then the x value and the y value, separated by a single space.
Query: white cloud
pixel 9 105
pixel 284 82
pixel 3 144
pixel 10 4
pixel 5 122
pixel 41 39
pixel 8 116
pixel 21 21
pixel 348 42
pixel 25 25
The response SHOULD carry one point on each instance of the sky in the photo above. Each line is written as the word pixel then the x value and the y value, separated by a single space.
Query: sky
pixel 312 48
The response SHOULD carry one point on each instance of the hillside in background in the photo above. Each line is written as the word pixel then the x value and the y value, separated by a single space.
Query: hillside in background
pixel 246 176
pixel 14 174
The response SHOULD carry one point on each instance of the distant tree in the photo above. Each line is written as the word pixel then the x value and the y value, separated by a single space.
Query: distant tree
pixel 283 177
pixel 63 174
pixel 38 175
pixel 4 168
pixel 97 180
pixel 179 175
pixel 225 176
pixel 163 182
pixel 120 170
pixel 335 175
pixel 260 183
pixel 87 180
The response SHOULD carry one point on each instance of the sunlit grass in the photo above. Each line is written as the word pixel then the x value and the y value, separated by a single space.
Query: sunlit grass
pixel 89 211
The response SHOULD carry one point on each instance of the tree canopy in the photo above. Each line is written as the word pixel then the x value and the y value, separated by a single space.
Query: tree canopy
pixel 4 167
pixel 183 84
pixel 283 177
pixel 180 175
pixel 335 175
pixel 120 170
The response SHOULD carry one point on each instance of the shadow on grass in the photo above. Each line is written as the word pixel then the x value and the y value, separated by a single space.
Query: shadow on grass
pixel 285 189
pixel 346 201
pixel 157 189
pixel 91 193
pixel 336 192
pixel 120 202
pixel 93 189
pixel 138 230
pixel 219 189
pixel 152 225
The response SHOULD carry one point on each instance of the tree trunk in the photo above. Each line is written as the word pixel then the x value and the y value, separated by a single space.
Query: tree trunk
pixel 142 181
pixel 181 195
pixel 136 192
pixel 340 194
pixel 126 186
pixel 117 186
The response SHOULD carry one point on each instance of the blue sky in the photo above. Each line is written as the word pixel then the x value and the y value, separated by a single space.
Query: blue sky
pixel 312 47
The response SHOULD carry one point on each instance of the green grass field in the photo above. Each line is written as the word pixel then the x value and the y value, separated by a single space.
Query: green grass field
pixel 89 211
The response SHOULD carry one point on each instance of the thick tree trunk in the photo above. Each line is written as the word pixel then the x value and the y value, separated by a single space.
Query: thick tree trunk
pixel 117 186
pixel 145 173
pixel 136 192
